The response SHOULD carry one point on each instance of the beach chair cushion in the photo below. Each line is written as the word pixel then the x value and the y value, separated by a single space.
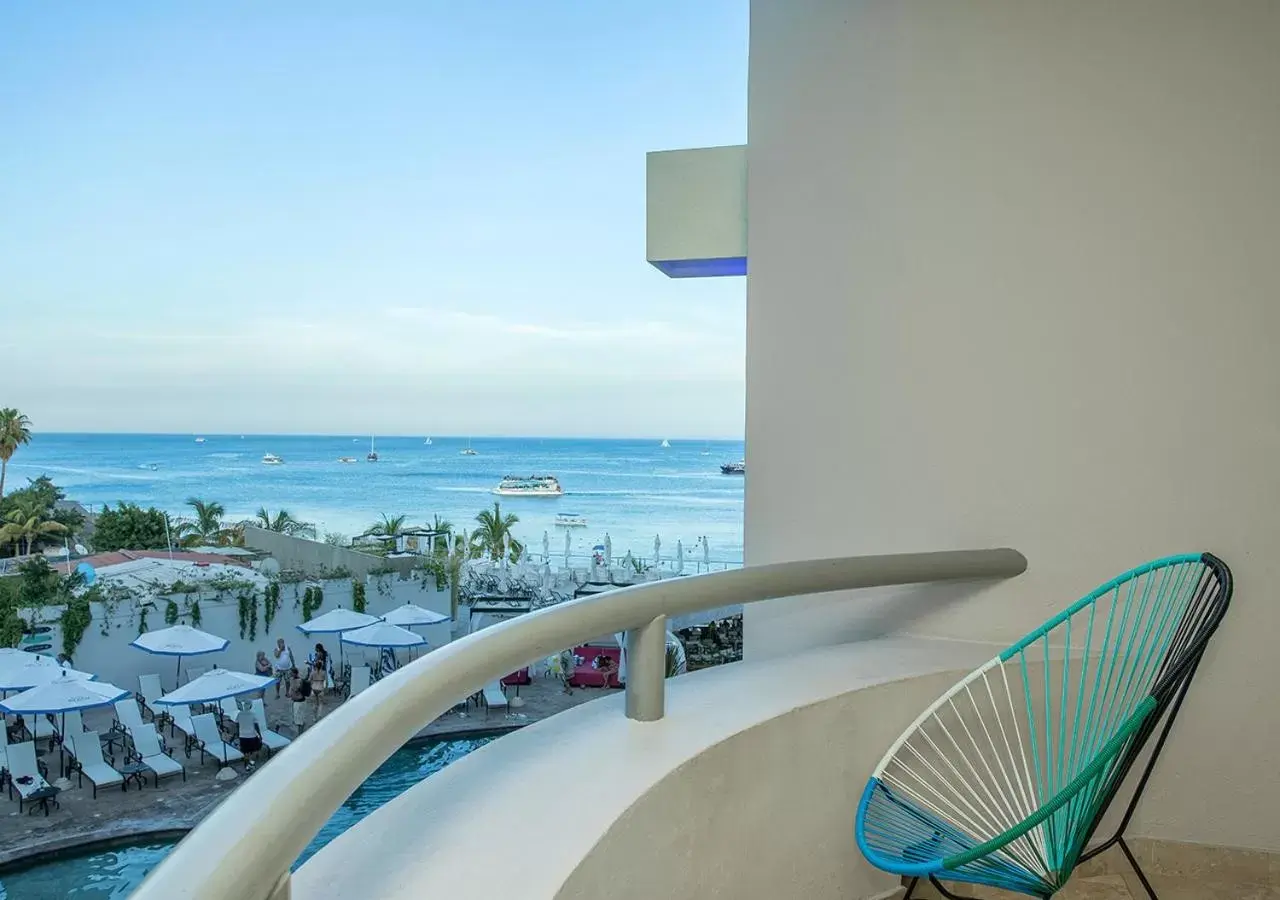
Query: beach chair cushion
pixel 150 753
pixel 493 696
pixel 22 765
pixel 273 741
pixel 86 747
pixel 211 742
pixel 360 679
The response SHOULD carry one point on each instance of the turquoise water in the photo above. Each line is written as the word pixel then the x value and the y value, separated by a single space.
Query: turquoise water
pixel 633 489
pixel 115 873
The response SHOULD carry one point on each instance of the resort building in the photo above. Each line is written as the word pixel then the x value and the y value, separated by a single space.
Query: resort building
pixel 1011 277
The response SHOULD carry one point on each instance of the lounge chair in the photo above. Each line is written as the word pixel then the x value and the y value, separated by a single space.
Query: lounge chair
pixel 210 741
pixel 86 747
pixel 4 752
pixel 149 750
pixel 180 720
pixel 149 691
pixel 24 773
pixel 38 726
pixel 128 715
pixel 228 709
pixel 69 724
pixel 272 740
pixel 360 679
pixel 493 697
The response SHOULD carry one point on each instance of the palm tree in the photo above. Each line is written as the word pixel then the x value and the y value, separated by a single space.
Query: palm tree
pixel 494 532
pixel 390 526
pixel 15 430
pixel 26 523
pixel 207 526
pixel 284 523
pixel 442 527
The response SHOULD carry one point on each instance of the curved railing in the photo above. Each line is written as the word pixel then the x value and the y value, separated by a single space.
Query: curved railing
pixel 244 849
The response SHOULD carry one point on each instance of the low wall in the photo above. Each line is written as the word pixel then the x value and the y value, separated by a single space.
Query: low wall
pixel 767 757
pixel 317 557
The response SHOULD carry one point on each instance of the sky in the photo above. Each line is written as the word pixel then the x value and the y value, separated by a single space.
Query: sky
pixel 318 216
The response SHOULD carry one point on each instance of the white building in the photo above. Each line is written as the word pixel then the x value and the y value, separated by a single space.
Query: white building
pixel 1013 278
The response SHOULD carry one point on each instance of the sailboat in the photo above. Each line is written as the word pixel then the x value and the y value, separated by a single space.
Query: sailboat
pixel 372 455
pixel 468 451
pixel 427 442
pixel 666 444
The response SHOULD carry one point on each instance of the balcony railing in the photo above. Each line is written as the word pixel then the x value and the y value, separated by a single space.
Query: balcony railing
pixel 244 849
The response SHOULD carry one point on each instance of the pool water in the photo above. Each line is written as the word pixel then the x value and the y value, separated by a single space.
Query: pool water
pixel 114 873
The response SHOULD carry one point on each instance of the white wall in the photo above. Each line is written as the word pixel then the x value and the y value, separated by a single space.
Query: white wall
pixel 1014 281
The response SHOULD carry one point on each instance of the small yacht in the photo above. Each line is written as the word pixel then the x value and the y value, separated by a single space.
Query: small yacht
pixel 734 468
pixel 270 459
pixel 468 451
pixel 199 440
pixel 372 455
pixel 533 486
pixel 570 520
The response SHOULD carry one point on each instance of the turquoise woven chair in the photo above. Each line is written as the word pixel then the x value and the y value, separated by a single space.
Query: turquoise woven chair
pixel 1005 779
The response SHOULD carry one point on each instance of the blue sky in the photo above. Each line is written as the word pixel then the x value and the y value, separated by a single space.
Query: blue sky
pixel 402 217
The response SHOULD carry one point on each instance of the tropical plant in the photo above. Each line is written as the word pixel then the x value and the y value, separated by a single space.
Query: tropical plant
pixel 390 526
pixel 26 523
pixel 130 527
pixel 442 527
pixel 358 595
pixel 336 539
pixel 206 526
pixel 283 522
pixel 494 533
pixel 15 430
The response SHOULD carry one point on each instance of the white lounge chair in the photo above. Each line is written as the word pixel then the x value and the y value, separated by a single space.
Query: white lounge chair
pixel 360 679
pixel 128 715
pixel 22 765
pixel 210 741
pixel 38 726
pixel 180 720
pixel 70 724
pixel 230 708
pixel 149 750
pixel 86 747
pixel 149 691
pixel 493 697
pixel 272 740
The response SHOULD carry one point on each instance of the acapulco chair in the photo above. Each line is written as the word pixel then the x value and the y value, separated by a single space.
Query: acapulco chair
pixel 1004 780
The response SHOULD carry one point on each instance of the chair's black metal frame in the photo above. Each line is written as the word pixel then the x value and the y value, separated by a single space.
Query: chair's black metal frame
pixel 1186 650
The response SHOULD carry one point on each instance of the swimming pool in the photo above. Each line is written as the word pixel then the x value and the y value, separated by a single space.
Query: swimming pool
pixel 114 873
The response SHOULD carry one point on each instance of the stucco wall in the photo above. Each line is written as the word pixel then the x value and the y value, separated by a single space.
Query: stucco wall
pixel 316 557
pixel 1013 282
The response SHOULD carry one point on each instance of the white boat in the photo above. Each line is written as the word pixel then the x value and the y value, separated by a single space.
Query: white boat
pixel 734 468
pixel 427 442
pixel 468 451
pixel 533 486
pixel 346 459
pixel 570 520
pixel 666 443
pixel 372 455
pixel 199 440
pixel 270 459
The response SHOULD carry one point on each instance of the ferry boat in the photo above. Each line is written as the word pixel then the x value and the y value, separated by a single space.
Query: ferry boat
pixel 734 468
pixel 532 486
pixel 571 520
pixel 270 459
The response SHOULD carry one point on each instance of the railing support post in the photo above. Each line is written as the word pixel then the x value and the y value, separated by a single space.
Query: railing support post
pixel 647 671
pixel 282 889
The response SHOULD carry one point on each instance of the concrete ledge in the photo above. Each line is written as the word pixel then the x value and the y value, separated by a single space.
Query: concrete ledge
pixel 589 803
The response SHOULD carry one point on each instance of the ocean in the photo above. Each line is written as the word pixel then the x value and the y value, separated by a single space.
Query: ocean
pixel 631 489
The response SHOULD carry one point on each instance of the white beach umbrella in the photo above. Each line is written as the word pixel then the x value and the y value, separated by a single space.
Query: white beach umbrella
pixel 215 685
pixel 20 674
pixel 546 546
pixel 179 641
pixel 411 614
pixel 679 557
pixel 608 550
pixel 706 553
pixel 506 548
pixel 64 694
pixel 337 620
pixel 567 546
pixel 382 634
pixel 657 549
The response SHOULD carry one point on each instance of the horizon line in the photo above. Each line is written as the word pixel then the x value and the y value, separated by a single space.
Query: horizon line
pixel 346 434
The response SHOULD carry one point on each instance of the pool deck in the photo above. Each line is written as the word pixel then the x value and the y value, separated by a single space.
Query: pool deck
pixel 176 807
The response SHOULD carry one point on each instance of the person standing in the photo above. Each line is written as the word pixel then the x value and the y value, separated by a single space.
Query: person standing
pixel 249 733
pixel 283 664
pixel 299 691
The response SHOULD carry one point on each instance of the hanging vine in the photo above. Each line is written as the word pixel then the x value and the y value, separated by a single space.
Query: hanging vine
pixel 312 598
pixel 171 613
pixel 247 605
pixel 75 619
pixel 358 602
pixel 271 603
